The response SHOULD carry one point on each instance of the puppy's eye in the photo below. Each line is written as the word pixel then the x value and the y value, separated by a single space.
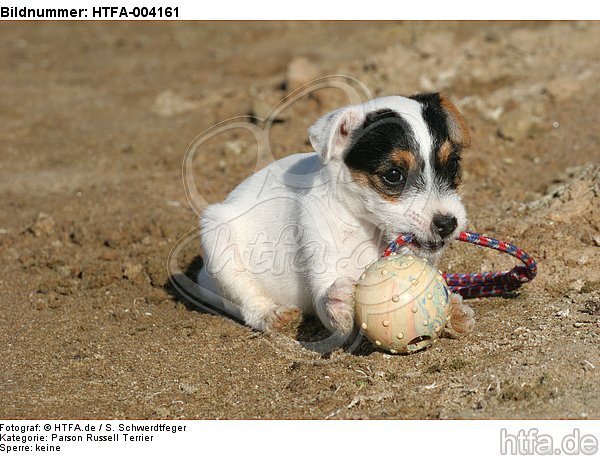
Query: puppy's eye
pixel 394 176
pixel 453 165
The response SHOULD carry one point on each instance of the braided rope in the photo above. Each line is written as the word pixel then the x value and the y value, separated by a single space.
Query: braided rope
pixel 477 285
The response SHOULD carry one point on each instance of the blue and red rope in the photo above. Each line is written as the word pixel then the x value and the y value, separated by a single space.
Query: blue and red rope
pixel 477 285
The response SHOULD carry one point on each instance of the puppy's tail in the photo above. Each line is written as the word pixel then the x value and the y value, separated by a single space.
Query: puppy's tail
pixel 205 295
pixel 208 297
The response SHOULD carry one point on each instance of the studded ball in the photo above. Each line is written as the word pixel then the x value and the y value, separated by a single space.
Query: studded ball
pixel 401 303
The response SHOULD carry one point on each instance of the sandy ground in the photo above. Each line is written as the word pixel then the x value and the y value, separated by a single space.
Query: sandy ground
pixel 95 119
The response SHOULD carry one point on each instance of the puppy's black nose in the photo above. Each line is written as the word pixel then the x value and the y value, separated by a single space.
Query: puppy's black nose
pixel 443 224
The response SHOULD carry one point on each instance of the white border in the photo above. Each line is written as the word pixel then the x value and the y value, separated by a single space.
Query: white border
pixel 349 9
pixel 364 438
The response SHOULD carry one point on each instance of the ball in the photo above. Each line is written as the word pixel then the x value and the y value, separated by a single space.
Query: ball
pixel 401 303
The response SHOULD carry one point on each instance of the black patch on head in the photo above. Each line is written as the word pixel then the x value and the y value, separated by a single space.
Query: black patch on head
pixel 436 118
pixel 382 132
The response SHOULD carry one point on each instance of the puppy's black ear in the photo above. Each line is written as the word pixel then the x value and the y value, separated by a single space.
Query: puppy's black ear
pixel 440 111
pixel 331 134
pixel 458 130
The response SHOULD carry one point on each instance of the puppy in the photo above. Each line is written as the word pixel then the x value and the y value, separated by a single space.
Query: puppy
pixel 297 234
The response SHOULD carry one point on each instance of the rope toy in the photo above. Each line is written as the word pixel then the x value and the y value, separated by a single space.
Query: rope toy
pixel 483 284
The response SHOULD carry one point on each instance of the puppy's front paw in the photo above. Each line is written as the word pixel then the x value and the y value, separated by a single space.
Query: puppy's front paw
pixel 339 306
pixel 462 317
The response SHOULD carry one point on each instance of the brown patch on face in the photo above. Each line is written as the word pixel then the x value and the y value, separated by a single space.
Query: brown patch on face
pixel 458 129
pixel 445 152
pixel 404 159
pixel 360 177
pixel 444 165
pixel 364 179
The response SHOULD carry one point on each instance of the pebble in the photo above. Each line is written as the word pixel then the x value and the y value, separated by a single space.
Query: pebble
pixel 131 270
pixel 518 128
pixel 44 225
pixel 108 255
pixel 261 108
pixel 169 104
pixel 577 285
pixel 299 72
pixel 235 147
pixel 564 88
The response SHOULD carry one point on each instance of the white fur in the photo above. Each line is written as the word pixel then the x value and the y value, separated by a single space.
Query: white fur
pixel 297 233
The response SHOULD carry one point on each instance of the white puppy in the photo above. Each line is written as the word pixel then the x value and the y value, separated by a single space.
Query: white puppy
pixel 297 234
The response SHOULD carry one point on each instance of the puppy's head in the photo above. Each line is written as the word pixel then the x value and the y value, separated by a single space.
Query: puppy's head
pixel 395 161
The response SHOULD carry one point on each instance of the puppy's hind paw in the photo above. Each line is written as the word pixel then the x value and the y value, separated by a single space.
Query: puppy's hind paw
pixel 339 306
pixel 285 318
